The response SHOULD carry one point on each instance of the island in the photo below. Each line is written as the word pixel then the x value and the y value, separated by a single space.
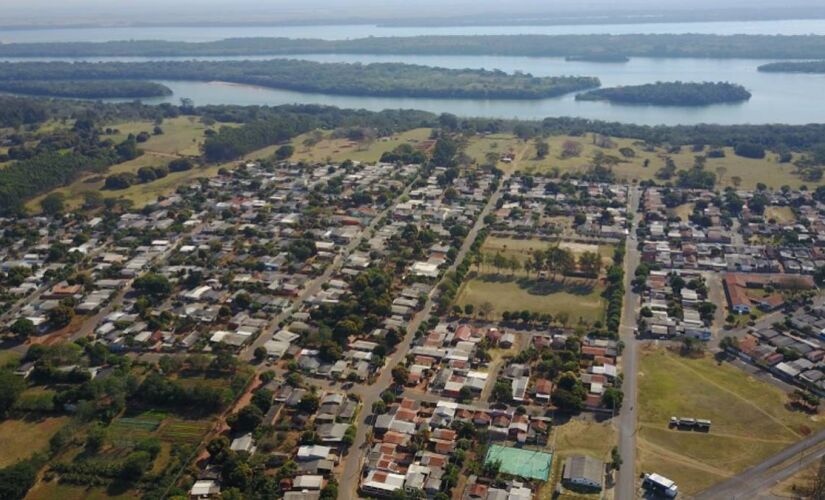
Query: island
pixel 670 94
pixel 631 45
pixel 86 89
pixel 815 67
pixel 373 80
pixel 598 58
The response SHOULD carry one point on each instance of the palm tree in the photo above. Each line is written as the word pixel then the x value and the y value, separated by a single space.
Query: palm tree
pixel 538 261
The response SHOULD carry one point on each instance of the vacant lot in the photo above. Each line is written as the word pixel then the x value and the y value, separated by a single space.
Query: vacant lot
pixel 20 439
pixel 731 169
pixel 578 298
pixel 750 421
pixel 338 150
pixel 782 215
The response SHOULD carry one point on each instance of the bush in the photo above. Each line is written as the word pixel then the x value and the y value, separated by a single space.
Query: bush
pixel 180 165
pixel 750 150
pixel 120 181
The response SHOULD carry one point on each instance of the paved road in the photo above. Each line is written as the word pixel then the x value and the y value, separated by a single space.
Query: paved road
pixel 348 483
pixel 750 483
pixel 626 481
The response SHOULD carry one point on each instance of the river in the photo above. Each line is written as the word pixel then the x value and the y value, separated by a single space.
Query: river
pixel 777 98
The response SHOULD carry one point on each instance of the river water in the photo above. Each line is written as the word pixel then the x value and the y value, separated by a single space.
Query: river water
pixel 777 98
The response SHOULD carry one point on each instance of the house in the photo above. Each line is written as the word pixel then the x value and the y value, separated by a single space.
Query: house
pixel 243 443
pixel 583 471
pixel 205 488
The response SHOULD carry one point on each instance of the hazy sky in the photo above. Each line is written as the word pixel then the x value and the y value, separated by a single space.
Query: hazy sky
pixel 187 11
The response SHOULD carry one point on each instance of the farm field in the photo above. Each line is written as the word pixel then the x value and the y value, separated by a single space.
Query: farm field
pixel 750 420
pixel 749 171
pixel 578 298
pixel 21 438
pixel 343 149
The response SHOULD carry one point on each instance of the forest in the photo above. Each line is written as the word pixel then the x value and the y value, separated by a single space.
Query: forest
pixel 380 79
pixel 670 94
pixel 86 89
pixel 794 67
pixel 634 45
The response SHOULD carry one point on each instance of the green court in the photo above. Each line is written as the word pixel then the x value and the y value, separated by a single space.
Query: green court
pixel 528 464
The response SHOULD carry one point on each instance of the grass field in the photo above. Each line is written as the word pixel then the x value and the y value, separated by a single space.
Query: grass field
pixel 523 248
pixel 750 421
pixel 182 135
pixel 576 297
pixel 768 171
pixel 338 150
pixel 20 439
pixel 52 489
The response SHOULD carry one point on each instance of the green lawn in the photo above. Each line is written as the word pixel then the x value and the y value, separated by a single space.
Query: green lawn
pixel 578 298
pixel 750 420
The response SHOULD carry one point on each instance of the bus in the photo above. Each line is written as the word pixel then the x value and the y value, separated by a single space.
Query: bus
pixel 660 485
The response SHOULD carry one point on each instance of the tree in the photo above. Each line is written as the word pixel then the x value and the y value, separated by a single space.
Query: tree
pixel 11 386
pixel 615 458
pixel 246 420
pixel 400 374
pixel 61 316
pixel 736 181
pixel 53 204
pixel 262 398
pixel 284 152
pixel 590 264
pixel 486 309
pixel 260 353
pixel 542 149
pixel 154 285
pixel 468 309
pixel 23 328
pixel 612 398
pixel 309 403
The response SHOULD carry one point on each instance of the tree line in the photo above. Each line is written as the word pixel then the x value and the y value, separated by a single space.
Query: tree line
pixel 602 45
pixel 86 89
pixel 670 94
pixel 377 79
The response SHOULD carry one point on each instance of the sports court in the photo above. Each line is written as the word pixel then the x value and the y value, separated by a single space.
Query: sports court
pixel 528 464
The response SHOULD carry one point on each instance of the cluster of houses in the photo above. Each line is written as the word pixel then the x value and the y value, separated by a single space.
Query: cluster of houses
pixel 669 312
pixel 792 350
pixel 540 206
